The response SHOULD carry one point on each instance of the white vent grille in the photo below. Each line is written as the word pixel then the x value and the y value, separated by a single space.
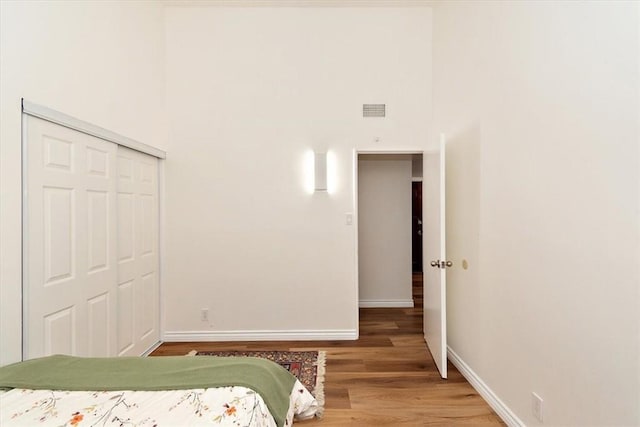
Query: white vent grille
pixel 374 110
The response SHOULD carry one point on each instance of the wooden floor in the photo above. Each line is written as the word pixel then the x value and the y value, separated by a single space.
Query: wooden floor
pixel 387 377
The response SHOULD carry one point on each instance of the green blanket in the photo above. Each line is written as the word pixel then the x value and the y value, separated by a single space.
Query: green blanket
pixel 270 380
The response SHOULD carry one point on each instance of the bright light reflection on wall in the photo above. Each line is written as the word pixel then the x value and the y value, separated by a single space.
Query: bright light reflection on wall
pixel 309 172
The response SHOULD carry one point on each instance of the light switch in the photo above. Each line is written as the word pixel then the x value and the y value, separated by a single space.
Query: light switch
pixel 349 218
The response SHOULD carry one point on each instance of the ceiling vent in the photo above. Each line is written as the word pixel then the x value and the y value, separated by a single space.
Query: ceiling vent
pixel 374 110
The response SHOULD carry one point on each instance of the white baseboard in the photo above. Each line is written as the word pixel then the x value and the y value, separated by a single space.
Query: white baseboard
pixel 483 389
pixel 302 335
pixel 391 303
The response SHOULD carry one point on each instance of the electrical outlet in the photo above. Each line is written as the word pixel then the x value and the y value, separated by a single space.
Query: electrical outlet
pixel 204 314
pixel 536 406
pixel 349 218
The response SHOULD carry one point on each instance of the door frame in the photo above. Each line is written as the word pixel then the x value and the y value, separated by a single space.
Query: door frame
pixel 356 155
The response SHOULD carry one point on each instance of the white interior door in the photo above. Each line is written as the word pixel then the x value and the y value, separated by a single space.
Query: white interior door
pixel 70 224
pixel 138 258
pixel 435 260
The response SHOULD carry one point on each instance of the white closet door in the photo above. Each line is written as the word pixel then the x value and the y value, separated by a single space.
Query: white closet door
pixel 70 246
pixel 138 260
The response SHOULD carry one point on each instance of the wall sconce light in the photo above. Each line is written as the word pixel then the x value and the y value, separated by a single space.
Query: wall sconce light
pixel 320 172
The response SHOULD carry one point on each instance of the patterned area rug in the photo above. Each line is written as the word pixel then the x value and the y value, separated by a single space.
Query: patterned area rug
pixel 307 366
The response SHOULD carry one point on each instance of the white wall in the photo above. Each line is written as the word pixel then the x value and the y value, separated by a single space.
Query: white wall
pixel 540 100
pixel 102 62
pixel 384 230
pixel 250 92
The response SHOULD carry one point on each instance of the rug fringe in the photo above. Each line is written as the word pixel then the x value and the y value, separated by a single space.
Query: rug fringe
pixel 319 389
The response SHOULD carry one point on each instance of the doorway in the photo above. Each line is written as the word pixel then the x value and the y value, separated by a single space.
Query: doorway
pixel 416 227
pixel 389 229
pixel 416 239
pixel 433 310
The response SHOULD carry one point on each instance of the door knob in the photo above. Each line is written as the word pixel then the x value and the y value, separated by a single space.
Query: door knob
pixel 441 264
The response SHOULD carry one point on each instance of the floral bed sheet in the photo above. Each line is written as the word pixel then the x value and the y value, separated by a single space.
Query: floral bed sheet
pixel 222 406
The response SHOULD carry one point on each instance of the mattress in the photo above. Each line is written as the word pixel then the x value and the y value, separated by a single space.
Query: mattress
pixel 160 391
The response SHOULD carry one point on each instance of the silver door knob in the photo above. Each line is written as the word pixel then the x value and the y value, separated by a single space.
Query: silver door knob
pixel 448 263
pixel 435 263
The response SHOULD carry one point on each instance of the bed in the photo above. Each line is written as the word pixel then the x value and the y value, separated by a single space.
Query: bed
pixel 151 391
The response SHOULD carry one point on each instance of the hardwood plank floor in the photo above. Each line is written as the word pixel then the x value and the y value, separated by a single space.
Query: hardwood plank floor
pixel 387 377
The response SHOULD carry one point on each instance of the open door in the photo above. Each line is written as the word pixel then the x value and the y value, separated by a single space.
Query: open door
pixel 435 263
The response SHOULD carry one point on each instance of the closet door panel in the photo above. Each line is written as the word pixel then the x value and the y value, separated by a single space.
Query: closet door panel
pixel 126 322
pixel 138 259
pixel 70 264
pixel 100 320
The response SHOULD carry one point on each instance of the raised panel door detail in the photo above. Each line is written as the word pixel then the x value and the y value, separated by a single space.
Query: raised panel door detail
pixel 125 168
pixel 59 234
pixel 97 162
pixel 147 305
pixel 126 227
pixel 125 317
pixel 147 224
pixel 60 332
pixel 99 324
pixel 58 154
pixel 146 172
pixel 98 228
